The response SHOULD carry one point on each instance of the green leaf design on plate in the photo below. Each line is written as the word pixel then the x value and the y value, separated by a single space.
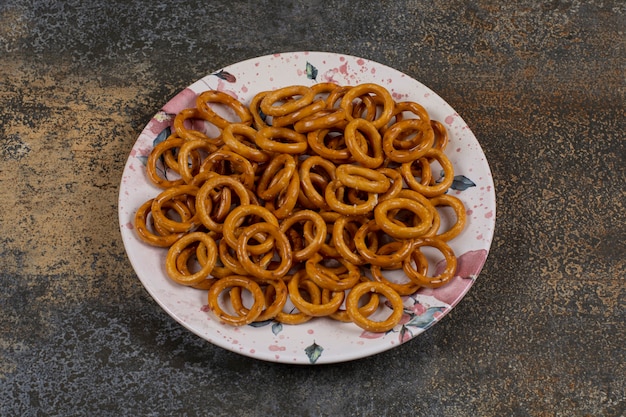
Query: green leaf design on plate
pixel 277 327
pixel 314 352
pixel 311 71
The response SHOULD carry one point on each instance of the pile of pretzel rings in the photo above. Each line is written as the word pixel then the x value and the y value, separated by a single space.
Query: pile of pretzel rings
pixel 306 190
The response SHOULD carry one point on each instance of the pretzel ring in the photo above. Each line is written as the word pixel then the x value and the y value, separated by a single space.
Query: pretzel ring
pixel 202 198
pixel 315 297
pixel 374 140
pixel 323 119
pixel 396 230
pixel 373 257
pixel 258 118
pixel 407 287
pixel 230 261
pixel 395 183
pixel 363 179
pixel 326 278
pixel 439 187
pixel 214 96
pixel 285 202
pixel 459 210
pixel 444 276
pixel 316 143
pixel 294 142
pixel 169 194
pixel 269 107
pixel 424 131
pixel 306 180
pixel 314 244
pixel 339 238
pixel 245 169
pixel 192 134
pixel 342 315
pixel 441 135
pixel 234 219
pixel 251 151
pixel 275 295
pixel 236 281
pixel 178 247
pixel 185 169
pixel 362 89
pixel 182 264
pixel 306 111
pixel 161 240
pixel 157 152
pixel 313 309
pixel 280 178
pixel 348 209
pixel 281 244
pixel 362 288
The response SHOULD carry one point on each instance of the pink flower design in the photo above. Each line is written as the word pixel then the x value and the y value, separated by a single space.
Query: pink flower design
pixel 468 267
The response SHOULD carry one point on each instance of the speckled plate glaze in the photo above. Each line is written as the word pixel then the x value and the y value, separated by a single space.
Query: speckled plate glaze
pixel 320 340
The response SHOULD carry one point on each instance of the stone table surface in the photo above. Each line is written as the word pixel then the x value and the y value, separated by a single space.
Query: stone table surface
pixel 540 83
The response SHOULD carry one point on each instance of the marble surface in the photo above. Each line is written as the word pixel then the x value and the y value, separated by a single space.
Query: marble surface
pixel 541 84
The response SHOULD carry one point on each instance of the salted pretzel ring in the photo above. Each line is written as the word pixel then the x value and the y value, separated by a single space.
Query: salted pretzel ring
pixel 407 286
pixel 282 247
pixel 268 139
pixel 276 295
pixel 159 216
pixel 306 181
pixel 318 225
pixel 347 250
pixel 206 98
pixel 236 281
pixel 285 202
pixel 240 167
pixel 438 188
pixel 231 229
pixel 269 106
pixel 203 199
pixel 459 210
pixel 368 88
pixel 427 281
pixel 306 111
pixel 177 248
pixel 233 136
pixel 185 169
pixel 314 295
pixel 394 299
pixel 348 209
pixel 323 119
pixel 192 134
pixel 399 231
pixel 362 178
pixel 316 140
pixel 312 308
pixel 342 315
pixel 372 256
pixel 172 142
pixel 423 131
pixel 144 233
pixel 326 278
pixel 359 148
pixel 274 179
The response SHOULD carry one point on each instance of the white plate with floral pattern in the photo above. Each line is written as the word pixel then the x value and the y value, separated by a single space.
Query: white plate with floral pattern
pixel 320 340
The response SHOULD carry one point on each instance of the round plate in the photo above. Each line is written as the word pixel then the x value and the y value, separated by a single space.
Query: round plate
pixel 320 340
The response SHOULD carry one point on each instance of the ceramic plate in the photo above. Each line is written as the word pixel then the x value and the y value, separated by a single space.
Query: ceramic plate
pixel 320 340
